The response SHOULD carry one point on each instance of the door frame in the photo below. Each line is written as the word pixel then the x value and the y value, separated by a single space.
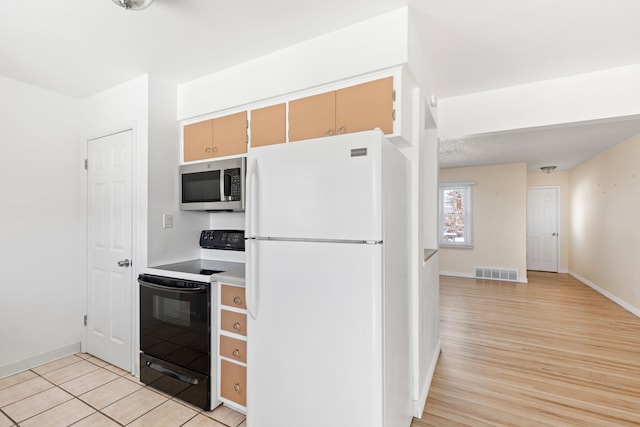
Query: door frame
pixel 559 216
pixel 138 241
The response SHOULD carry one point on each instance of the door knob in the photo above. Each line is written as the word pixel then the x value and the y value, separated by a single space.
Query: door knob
pixel 124 263
pixel 554 234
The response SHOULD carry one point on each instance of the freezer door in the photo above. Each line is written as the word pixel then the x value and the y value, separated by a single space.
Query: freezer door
pixel 314 335
pixel 327 188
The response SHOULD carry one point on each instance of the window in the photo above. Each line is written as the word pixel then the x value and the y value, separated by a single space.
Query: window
pixel 455 215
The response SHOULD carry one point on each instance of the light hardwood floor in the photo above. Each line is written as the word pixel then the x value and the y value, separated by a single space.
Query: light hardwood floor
pixel 552 352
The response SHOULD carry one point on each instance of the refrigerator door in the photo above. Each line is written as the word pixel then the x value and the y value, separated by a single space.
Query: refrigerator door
pixel 327 188
pixel 314 334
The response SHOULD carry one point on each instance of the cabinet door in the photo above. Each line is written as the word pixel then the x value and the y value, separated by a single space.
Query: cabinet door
pixel 365 107
pixel 312 117
pixel 230 134
pixel 268 125
pixel 198 141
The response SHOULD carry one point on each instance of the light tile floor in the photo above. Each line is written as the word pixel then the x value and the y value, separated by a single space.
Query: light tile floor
pixel 83 391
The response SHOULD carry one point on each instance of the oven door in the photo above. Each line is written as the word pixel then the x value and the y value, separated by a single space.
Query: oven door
pixel 175 324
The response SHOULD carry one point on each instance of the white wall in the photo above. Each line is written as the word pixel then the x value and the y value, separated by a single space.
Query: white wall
pixel 605 234
pixel 363 48
pixel 499 199
pixel 166 245
pixel 40 174
pixel 592 96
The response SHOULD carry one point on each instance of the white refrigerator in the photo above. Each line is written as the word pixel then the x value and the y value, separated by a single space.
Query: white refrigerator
pixel 327 288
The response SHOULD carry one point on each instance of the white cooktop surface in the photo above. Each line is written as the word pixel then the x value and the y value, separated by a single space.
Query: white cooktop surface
pixel 200 270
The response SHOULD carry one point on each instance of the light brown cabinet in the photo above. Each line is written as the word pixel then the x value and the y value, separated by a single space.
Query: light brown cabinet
pixel 232 346
pixel 232 296
pixel 268 125
pixel 234 349
pixel 312 117
pixel 219 137
pixel 233 322
pixel 353 109
pixel 233 382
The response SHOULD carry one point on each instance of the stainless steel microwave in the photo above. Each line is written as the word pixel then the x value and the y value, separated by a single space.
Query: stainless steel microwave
pixel 216 185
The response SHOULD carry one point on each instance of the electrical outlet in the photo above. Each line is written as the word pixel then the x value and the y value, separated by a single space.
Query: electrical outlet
pixel 167 221
pixel 636 293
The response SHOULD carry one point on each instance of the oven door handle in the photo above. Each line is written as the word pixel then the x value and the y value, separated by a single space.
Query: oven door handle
pixel 170 373
pixel 169 289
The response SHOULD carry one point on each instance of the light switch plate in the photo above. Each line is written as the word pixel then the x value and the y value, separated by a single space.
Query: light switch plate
pixel 167 221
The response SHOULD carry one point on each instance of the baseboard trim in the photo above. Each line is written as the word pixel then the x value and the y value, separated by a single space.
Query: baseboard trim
pixel 418 406
pixel 38 359
pixel 620 302
pixel 456 274
pixel 471 276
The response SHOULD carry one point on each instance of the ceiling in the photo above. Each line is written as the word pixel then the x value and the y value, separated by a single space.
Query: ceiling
pixel 563 146
pixel 81 47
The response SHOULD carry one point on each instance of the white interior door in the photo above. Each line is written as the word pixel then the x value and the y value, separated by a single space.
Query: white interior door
pixel 110 218
pixel 542 229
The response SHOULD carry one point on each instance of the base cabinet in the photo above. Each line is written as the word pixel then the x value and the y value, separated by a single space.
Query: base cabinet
pixel 232 347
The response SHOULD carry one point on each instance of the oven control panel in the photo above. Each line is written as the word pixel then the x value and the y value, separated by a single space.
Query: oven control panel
pixel 222 239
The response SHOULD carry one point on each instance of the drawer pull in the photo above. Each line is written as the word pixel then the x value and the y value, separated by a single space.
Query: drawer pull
pixel 236 353
pixel 237 300
pixel 237 326
pixel 236 388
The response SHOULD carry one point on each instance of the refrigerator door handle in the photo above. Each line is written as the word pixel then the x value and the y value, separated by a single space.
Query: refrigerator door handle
pixel 251 243
pixel 252 282
pixel 252 199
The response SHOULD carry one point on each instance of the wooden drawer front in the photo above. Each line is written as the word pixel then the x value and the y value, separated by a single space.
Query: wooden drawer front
pixel 233 348
pixel 233 296
pixel 233 322
pixel 233 382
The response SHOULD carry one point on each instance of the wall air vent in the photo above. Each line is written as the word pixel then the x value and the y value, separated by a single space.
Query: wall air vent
pixel 496 274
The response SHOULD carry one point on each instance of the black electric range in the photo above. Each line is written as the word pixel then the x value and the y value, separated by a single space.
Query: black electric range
pixel 176 301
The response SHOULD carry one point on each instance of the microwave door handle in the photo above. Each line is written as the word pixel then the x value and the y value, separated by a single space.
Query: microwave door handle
pixel 223 179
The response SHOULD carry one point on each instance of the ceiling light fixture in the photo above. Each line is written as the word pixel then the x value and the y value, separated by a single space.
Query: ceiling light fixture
pixel 133 4
pixel 547 169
